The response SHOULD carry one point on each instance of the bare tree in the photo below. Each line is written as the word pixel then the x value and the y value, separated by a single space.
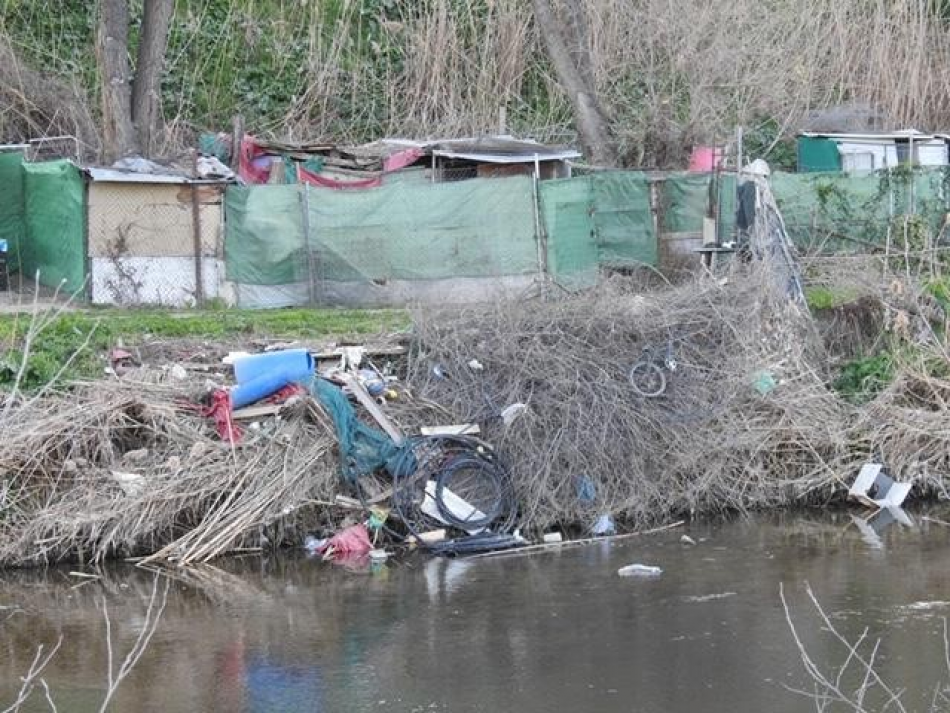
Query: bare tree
pixel 112 48
pixel 130 106
pixel 146 89
pixel 566 48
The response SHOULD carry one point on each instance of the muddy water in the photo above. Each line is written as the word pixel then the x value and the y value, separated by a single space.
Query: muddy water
pixel 549 632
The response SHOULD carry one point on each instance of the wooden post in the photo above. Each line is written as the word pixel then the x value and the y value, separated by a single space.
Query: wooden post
pixel 237 135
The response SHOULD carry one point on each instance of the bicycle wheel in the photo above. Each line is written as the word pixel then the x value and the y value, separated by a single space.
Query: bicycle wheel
pixel 647 379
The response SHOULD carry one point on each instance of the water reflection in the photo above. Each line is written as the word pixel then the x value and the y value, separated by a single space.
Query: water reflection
pixel 549 632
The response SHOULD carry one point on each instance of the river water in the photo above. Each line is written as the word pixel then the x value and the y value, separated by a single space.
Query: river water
pixel 555 631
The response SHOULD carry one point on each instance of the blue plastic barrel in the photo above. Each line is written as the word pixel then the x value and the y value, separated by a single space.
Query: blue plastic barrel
pixel 250 367
pixel 268 383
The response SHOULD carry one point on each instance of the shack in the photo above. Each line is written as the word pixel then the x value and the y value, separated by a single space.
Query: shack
pixel 153 239
pixel 498 157
pixel 116 237
pixel 369 165
pixel 870 151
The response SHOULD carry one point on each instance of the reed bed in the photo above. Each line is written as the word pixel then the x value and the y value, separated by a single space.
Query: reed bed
pixel 747 420
pixel 128 468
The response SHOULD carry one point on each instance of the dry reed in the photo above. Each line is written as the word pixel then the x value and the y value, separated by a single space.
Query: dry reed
pixel 126 468
pixel 747 420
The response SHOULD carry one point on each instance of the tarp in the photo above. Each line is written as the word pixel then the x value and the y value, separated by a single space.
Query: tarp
pixel 623 219
pixel 854 212
pixel 55 220
pixel 684 201
pixel 12 225
pixel 264 239
pixel 404 231
pixel 567 211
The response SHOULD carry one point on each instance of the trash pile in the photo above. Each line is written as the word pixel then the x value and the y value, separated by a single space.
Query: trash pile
pixel 610 410
pixel 739 414
pixel 165 465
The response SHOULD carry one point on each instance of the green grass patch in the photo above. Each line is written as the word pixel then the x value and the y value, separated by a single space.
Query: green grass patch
pixel 105 328
pixel 822 298
pixel 862 379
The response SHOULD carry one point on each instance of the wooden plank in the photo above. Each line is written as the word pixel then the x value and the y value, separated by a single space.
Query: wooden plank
pixel 459 429
pixel 362 395
pixel 252 412
pixel 379 351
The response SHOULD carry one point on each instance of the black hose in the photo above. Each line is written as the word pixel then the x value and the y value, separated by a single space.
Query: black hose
pixel 439 458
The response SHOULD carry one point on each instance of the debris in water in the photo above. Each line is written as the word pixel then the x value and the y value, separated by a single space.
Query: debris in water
pixel 639 570
pixel 709 597
pixel 875 488
pixel 687 540
pixel 604 526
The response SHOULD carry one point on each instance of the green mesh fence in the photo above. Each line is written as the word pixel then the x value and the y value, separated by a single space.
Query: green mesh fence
pixel 623 219
pixel 12 224
pixel 567 209
pixel 684 201
pixel 55 220
pixel 264 243
pixel 855 212
pixel 404 236
pixel 476 228
pixel 415 232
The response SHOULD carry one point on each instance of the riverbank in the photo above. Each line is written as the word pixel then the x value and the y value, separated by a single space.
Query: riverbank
pixel 766 407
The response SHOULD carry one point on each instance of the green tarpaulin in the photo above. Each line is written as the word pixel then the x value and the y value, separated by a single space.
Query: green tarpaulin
pixel 856 212
pixel 401 231
pixel 55 219
pixel 623 219
pixel 477 228
pixel 12 226
pixel 567 209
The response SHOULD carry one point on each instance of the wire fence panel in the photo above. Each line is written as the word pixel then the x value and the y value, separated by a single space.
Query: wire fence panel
pixel 403 242
pixel 154 243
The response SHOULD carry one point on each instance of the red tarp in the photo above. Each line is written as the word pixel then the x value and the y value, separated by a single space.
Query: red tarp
pixel 254 167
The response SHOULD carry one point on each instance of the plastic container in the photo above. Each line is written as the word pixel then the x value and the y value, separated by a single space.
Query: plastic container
pixel 704 159
pixel 293 361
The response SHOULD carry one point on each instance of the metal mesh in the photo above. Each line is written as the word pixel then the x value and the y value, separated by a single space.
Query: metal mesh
pixel 153 244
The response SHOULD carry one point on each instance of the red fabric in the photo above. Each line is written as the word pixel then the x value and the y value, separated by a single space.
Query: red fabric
pixel 315 179
pixel 354 540
pixel 248 172
pixel 285 393
pixel 402 159
pixel 220 412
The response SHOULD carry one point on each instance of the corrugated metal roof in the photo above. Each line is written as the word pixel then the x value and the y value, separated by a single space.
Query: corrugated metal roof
pixel 114 175
pixel 542 154
pixel 870 135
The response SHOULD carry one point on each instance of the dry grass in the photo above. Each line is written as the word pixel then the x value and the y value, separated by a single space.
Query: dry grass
pixel 36 105
pixel 669 72
pixel 710 443
pixel 191 496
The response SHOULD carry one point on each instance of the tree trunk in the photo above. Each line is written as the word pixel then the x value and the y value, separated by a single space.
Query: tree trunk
pixel 589 118
pixel 112 48
pixel 577 33
pixel 146 91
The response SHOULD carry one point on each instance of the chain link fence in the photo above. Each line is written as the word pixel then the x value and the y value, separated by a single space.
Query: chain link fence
pixel 152 243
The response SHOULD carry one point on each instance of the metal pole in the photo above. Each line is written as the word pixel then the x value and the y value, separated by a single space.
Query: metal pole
pixel 305 219
pixel 538 224
pixel 196 235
